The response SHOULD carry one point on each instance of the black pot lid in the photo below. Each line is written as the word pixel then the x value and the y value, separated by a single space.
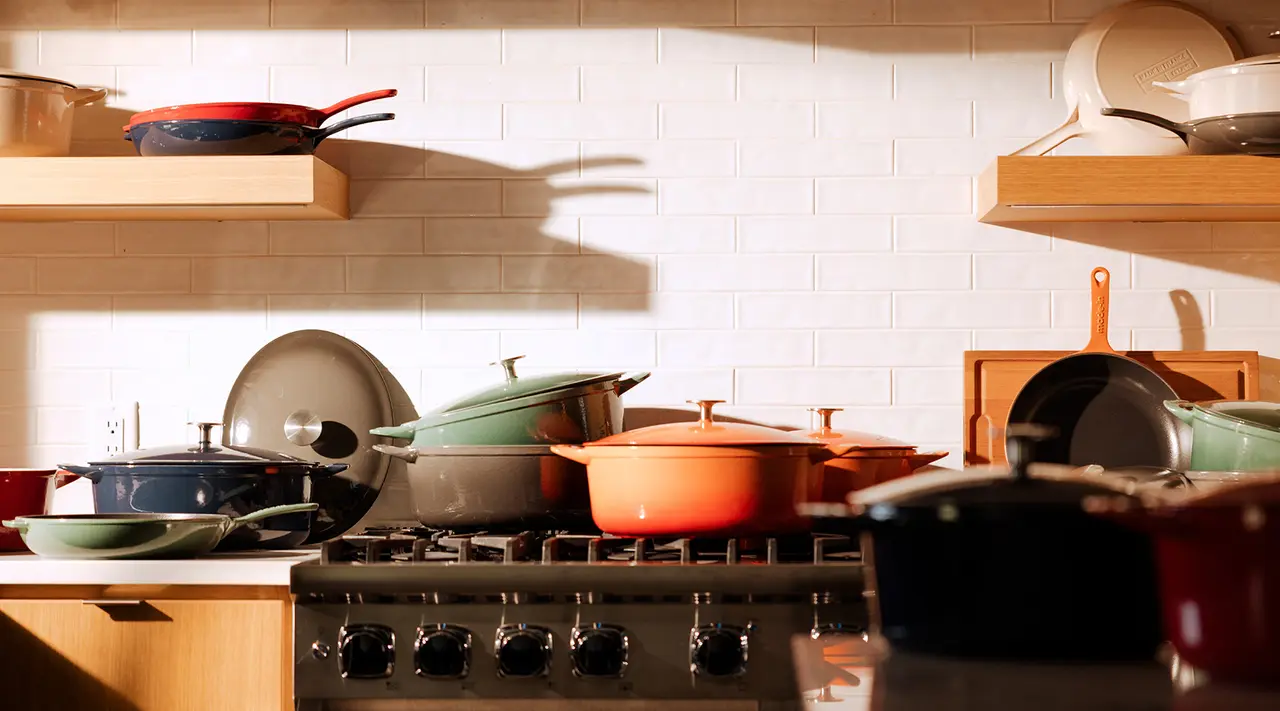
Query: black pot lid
pixel 315 394
pixel 204 452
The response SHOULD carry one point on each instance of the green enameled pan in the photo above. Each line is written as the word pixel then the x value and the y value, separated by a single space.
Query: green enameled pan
pixel 130 535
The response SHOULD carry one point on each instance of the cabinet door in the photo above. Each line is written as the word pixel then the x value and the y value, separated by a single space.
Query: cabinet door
pixel 158 655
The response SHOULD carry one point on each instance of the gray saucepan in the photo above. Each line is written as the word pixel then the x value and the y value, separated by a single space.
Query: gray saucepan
pixel 496 486
pixel 1248 134
pixel 111 536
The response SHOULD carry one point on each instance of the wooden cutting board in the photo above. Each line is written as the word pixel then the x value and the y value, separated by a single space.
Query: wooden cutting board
pixel 993 379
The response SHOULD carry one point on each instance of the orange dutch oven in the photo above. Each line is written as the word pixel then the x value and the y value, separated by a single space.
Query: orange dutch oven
pixel 705 478
pixel 873 460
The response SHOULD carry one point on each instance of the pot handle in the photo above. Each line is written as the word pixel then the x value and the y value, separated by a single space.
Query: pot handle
pixel 269 512
pixel 1176 89
pixel 820 453
pixel 1180 129
pixel 630 380
pixel 324 471
pixel 320 134
pixel 920 459
pixel 405 431
pixel 408 454
pixel 572 452
pixel 80 97
pixel 93 474
pixel 1182 409
pixel 357 99
pixel 1067 131
pixel 15 524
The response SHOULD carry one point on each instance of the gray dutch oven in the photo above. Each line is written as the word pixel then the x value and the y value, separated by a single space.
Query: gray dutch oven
pixel 560 408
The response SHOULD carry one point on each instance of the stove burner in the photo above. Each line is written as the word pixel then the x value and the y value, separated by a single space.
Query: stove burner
pixel 384 545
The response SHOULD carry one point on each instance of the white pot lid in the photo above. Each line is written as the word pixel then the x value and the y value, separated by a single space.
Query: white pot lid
pixel 10 74
pixel 1248 65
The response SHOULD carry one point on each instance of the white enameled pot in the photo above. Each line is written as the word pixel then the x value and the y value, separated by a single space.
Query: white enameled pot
pixel 1247 87
pixel 36 114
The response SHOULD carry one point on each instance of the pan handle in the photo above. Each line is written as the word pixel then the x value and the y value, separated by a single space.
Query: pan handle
pixel 1069 129
pixel 1181 409
pixel 268 513
pixel 354 100
pixel 1100 311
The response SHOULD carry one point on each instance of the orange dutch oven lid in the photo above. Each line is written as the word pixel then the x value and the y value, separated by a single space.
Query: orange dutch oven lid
pixel 706 431
pixel 825 434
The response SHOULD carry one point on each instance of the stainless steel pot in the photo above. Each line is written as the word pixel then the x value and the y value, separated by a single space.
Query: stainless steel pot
pixel 499 486
pixel 36 114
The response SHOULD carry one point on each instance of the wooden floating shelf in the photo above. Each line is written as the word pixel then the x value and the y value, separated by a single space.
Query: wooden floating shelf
pixel 1017 189
pixel 172 188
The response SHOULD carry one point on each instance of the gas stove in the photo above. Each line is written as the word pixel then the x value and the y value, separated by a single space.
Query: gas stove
pixel 429 614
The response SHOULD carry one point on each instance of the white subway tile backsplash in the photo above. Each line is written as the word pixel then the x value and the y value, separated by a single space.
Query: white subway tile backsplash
pixel 671 387
pixel 962 233
pixel 937 118
pixel 709 348
pixel 980 78
pixel 96 47
pixel 275 47
pixel 658 13
pixel 769 45
pixel 505 83
pixel 657 235
pixel 500 13
pixel 579 273
pixel 393 236
pixel 429 349
pixel 71 238
pixel 1139 237
pixel 660 82
pixel 595 121
pixel 814 12
pixel 927 386
pixel 322 86
pixel 814 158
pixel 348 13
pixel 654 311
pixel 909 424
pixel 658 159
pixel 452 121
pixel 142 88
pixel 49 313
pixel 501 159
pixel 500 235
pixel 817 233
pixel 891 349
pixel 810 388
pixel 1025 43
pixel 814 311
pixel 1046 271
pixel 1133 309
pixel 738 120
pixel 195 238
pixel 799 82
pixel 894 272
pixel 1064 339
pixel 913 12
pixel 426 47
pixel 1236 309
pixel 1246 236
pixel 1028 117
pixel 414 198
pixel 580 196
pixel 924 196
pixel 734 272
pixel 396 274
pixel 339 312
pixel 276 275
pixel 57 350
pixel 507 312
pixel 580 46
pixel 1219 270
pixel 736 196
pixel 188 312
pixel 868 47
pixel 112 275
pixel 946 156
pixel 972 309
pixel 581 349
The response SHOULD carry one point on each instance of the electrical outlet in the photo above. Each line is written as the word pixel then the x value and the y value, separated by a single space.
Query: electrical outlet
pixel 118 429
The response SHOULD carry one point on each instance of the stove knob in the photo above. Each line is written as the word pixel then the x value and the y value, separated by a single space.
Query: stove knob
pixel 366 651
pixel 599 650
pixel 442 652
pixel 718 650
pixel 523 651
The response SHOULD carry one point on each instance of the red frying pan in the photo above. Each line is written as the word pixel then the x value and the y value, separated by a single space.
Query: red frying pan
pixel 256 111
pixel 1107 409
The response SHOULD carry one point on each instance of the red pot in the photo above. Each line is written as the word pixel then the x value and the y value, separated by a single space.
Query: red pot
pixel 255 111
pixel 1219 563
pixel 25 492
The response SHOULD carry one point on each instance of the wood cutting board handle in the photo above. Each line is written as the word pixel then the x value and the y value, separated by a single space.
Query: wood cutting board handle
pixel 1100 293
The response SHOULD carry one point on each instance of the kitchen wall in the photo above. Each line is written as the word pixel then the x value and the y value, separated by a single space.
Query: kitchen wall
pixel 763 201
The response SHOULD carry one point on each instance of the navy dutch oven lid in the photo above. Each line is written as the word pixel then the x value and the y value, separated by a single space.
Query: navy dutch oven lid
pixel 203 452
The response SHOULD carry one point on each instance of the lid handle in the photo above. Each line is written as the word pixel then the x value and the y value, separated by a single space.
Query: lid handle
pixel 704 410
pixel 1022 439
pixel 303 427
pixel 206 436
pixel 824 416
pixel 509 367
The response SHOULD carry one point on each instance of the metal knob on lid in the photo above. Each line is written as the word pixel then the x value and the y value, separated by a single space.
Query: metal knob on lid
pixel 508 366
pixel 1022 439
pixel 206 436
pixel 824 416
pixel 704 410
pixel 303 427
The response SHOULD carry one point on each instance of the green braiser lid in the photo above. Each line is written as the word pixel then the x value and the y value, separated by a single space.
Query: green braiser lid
pixel 516 387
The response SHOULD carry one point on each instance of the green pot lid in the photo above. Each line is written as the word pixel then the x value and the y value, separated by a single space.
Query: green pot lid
pixel 203 452
pixel 1264 415
pixel 515 387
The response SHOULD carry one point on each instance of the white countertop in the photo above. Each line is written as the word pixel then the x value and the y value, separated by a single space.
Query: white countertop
pixel 267 568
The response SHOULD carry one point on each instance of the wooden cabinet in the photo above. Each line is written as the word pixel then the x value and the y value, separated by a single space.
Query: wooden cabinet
pixel 146 655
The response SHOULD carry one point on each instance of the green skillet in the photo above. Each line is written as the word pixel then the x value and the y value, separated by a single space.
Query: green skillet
pixel 129 535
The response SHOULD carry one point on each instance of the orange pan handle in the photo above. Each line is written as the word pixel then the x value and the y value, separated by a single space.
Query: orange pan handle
pixel 1100 313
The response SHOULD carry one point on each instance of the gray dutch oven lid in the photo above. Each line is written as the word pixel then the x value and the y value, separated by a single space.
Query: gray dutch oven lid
pixel 203 452
pixel 515 387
